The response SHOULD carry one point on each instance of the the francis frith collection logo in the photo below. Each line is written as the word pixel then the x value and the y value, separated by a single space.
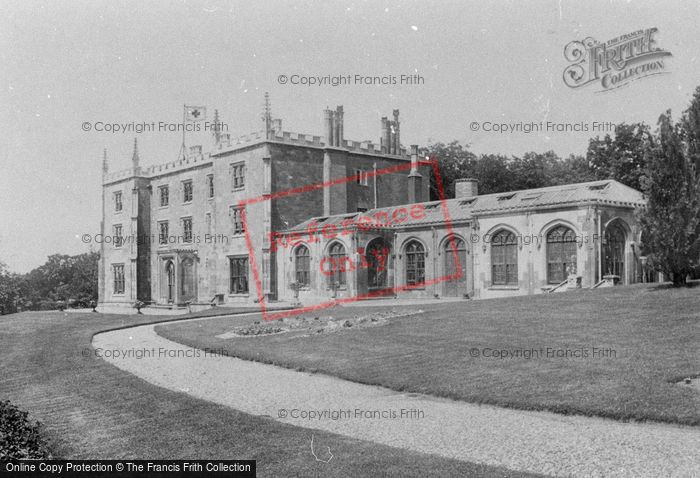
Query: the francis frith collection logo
pixel 614 63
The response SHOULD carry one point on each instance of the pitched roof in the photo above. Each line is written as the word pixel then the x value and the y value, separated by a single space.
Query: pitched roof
pixel 605 192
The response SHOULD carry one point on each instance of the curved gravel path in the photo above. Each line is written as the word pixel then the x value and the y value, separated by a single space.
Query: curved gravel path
pixel 537 442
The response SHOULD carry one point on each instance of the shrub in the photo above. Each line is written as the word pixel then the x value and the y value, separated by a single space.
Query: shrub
pixel 20 438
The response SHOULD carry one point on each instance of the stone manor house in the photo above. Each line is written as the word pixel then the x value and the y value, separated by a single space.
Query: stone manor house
pixel 177 229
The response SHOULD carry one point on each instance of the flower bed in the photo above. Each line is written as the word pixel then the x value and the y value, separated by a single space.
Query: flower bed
pixel 306 326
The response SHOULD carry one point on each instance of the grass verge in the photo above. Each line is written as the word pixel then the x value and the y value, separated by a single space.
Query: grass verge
pixel 645 337
pixel 94 410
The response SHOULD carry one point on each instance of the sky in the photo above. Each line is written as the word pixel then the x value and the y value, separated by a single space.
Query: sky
pixel 70 62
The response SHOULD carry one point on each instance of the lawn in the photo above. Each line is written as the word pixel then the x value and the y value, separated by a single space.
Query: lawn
pixel 623 348
pixel 94 410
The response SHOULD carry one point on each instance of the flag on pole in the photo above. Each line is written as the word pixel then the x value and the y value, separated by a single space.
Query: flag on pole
pixel 195 113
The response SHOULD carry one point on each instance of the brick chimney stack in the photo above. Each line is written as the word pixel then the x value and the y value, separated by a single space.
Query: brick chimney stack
pixel 415 180
pixel 384 138
pixel 466 188
pixel 333 127
pixel 328 126
pixel 396 143
pixel 390 140
pixel 339 139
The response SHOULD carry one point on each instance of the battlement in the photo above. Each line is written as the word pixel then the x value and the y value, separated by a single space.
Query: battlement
pixel 366 147
pixel 194 157
pixel 297 138
pixel 370 148
pixel 301 139
pixel 389 144
pixel 227 142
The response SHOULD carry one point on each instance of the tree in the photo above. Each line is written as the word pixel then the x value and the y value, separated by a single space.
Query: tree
pixel 497 173
pixel 493 174
pixel 455 161
pixel 691 129
pixel 671 221
pixel 9 290
pixel 574 169
pixel 621 158
pixel 62 278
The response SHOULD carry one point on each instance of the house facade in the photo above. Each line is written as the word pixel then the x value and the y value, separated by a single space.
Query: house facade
pixel 175 233
pixel 476 246
pixel 186 232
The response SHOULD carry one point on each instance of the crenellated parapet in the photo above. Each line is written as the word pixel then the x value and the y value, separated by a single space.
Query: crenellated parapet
pixel 287 137
pixel 297 138
pixel 194 157
pixel 227 142
pixel 371 148
pixel 366 147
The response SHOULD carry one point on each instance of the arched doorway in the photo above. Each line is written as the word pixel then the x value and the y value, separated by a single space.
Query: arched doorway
pixel 170 281
pixel 614 251
pixel 377 256
pixel 455 267
pixel 187 282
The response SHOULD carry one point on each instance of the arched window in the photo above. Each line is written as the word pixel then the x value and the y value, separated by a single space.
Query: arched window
pixel 338 264
pixel 415 263
pixel 614 250
pixel 504 258
pixel 561 254
pixel 302 266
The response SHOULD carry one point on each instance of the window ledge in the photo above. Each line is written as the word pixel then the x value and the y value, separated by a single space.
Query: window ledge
pixel 242 294
pixel 504 287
